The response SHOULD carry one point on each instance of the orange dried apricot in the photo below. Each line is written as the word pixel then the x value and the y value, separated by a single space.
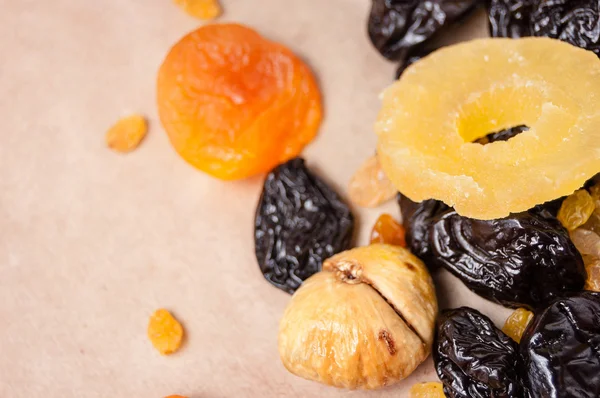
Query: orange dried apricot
pixel 576 209
pixel 127 133
pixel 175 396
pixel 370 187
pixel 516 323
pixel 427 390
pixel 203 9
pixel 235 104
pixel 165 332
pixel 387 230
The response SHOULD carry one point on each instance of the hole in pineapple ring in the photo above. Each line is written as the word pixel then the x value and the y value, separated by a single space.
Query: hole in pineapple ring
pixel 476 121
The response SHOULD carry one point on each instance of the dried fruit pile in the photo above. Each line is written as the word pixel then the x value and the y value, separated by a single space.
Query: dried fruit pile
pixel 235 104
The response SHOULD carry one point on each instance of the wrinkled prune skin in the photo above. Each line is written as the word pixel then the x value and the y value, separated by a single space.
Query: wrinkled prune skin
pixel 411 58
pixel 524 260
pixel 560 349
pixel 510 18
pixel 573 21
pixel 473 358
pixel 417 219
pixel 502 135
pixel 300 221
pixel 397 26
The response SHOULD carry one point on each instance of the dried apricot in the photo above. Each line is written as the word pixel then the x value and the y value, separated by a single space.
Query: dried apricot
pixel 235 104
pixel 516 323
pixel 175 396
pixel 127 133
pixel 165 332
pixel 427 390
pixel 457 94
pixel 576 209
pixel 387 230
pixel 370 187
pixel 203 9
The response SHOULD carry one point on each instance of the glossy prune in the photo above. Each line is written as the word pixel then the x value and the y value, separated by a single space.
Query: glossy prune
pixel 573 21
pixel 502 135
pixel 560 349
pixel 510 18
pixel 300 221
pixel 473 358
pixel 524 260
pixel 417 219
pixel 397 26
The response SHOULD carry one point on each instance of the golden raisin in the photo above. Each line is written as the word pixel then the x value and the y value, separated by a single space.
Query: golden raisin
pixel 387 230
pixel 516 323
pixel 427 390
pixel 576 209
pixel 127 133
pixel 203 9
pixel 165 332
pixel 592 266
pixel 235 104
pixel 370 187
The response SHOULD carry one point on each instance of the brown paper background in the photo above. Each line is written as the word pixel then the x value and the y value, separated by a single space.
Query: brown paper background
pixel 91 242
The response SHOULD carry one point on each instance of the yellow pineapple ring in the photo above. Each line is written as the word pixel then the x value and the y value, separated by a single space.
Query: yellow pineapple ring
pixel 442 103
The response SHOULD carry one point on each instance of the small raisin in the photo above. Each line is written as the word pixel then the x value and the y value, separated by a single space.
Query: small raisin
pixel 516 323
pixel 387 230
pixel 165 332
pixel 127 133
pixel 576 209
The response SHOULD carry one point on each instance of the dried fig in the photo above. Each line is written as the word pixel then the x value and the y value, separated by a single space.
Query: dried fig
pixel 365 321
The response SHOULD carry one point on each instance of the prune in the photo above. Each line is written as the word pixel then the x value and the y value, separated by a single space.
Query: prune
pixel 411 58
pixel 473 358
pixel 560 349
pixel 510 18
pixel 502 135
pixel 417 219
pixel 524 260
pixel 573 21
pixel 300 221
pixel 397 26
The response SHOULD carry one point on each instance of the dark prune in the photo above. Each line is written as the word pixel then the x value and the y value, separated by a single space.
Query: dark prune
pixel 417 219
pixel 396 26
pixel 300 221
pixel 502 135
pixel 524 260
pixel 510 18
pixel 473 358
pixel 560 349
pixel 411 58
pixel 574 21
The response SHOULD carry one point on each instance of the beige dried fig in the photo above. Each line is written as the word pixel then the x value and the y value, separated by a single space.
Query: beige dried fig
pixel 365 321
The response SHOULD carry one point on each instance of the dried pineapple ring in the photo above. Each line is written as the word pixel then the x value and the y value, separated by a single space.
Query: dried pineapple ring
pixel 460 93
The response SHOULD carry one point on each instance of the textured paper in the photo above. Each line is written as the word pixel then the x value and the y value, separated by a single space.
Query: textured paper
pixel 91 241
